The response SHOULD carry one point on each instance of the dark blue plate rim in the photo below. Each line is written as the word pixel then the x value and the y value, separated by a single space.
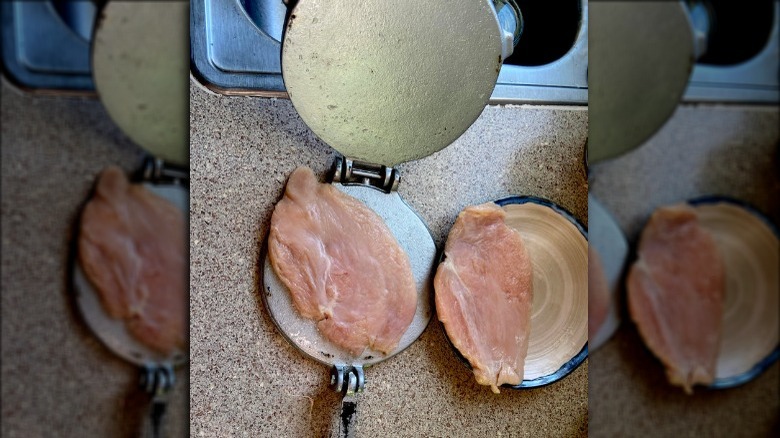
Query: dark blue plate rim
pixel 547 203
pixel 562 372
pixel 715 199
pixel 764 364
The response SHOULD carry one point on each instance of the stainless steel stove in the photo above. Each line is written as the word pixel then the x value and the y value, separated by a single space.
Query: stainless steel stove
pixel 46 44
pixel 236 47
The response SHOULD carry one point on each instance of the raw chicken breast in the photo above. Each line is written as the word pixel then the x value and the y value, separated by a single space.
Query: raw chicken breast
pixel 484 295
pixel 132 248
pixel 675 295
pixel 342 265
pixel 598 293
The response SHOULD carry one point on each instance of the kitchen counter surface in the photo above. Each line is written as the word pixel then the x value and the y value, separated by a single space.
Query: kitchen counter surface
pixel 58 379
pixel 702 150
pixel 246 379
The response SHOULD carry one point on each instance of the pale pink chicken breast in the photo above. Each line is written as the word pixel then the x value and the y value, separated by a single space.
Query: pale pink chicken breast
pixel 484 295
pixel 342 266
pixel 598 293
pixel 675 295
pixel 132 248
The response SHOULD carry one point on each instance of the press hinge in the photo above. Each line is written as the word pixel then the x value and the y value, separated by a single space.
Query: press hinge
pixel 347 379
pixel 155 170
pixel 348 171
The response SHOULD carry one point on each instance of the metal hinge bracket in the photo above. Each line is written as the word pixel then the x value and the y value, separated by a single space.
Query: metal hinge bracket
pixel 348 171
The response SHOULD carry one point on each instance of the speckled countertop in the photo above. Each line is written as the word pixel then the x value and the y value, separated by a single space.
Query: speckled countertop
pixel 246 379
pixel 57 378
pixel 702 150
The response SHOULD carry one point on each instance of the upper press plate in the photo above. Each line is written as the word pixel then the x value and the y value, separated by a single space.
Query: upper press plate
pixel 388 82
pixel 140 64
pixel 640 58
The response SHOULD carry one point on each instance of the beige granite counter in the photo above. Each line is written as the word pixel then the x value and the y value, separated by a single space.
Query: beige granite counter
pixel 57 378
pixel 245 378
pixel 702 150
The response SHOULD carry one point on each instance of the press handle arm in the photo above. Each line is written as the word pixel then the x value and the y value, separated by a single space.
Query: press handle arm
pixel 349 381
pixel 348 419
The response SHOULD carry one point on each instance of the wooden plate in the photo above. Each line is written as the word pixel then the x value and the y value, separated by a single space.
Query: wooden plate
pixel 558 247
pixel 748 243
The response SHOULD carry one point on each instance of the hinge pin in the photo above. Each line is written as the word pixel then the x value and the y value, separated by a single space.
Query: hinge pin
pixel 348 171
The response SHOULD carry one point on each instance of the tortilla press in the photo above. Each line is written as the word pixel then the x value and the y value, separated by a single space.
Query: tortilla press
pixel 347 375
pixel 157 371
pixel 140 61
pixel 385 83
